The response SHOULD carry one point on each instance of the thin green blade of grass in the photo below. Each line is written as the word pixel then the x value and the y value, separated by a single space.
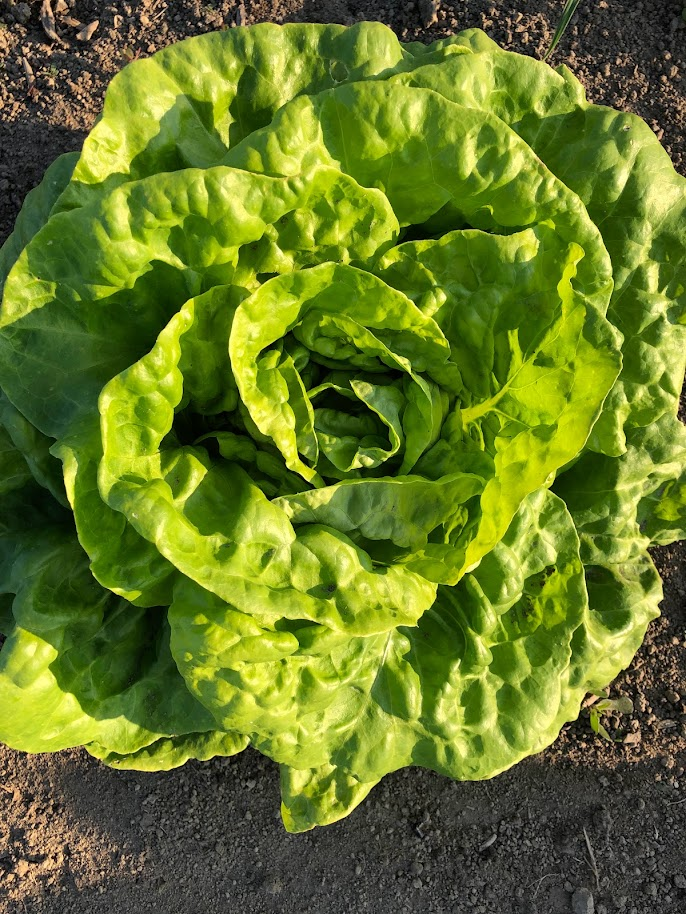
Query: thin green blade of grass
pixel 567 13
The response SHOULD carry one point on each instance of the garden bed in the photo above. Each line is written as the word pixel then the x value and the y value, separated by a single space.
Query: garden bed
pixel 587 814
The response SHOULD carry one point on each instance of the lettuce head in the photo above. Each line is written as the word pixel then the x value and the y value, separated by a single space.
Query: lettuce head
pixel 338 409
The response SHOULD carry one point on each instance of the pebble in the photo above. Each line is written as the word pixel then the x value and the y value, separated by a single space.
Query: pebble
pixel 672 696
pixel 21 13
pixel 568 848
pixel 272 884
pixel 428 12
pixel 680 881
pixel 582 902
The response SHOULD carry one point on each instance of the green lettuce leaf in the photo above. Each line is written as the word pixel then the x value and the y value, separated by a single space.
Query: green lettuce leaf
pixel 87 665
pixel 36 211
pixel 481 678
pixel 318 796
pixel 613 161
pixel 172 752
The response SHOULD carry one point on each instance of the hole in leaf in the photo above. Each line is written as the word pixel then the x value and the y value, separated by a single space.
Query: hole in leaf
pixel 338 71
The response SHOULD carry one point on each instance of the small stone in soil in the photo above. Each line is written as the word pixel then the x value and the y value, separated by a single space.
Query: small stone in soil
pixel 428 12
pixel 21 13
pixel 582 902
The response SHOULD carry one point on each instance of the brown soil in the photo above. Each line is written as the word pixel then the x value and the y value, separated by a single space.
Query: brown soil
pixel 586 814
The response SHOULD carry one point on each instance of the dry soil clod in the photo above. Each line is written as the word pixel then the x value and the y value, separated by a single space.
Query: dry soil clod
pixel 582 902
pixel 28 73
pixel 87 32
pixel 47 19
pixel 428 12
pixel 240 16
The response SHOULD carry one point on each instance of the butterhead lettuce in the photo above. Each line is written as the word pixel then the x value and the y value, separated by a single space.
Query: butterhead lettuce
pixel 339 387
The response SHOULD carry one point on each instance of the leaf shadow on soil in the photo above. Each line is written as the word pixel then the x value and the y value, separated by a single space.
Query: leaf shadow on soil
pixel 205 838
pixel 27 147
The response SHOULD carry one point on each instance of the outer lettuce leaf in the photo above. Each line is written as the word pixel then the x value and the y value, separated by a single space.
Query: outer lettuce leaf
pixel 468 691
pixel 619 503
pixel 86 664
pixel 14 473
pixel 165 754
pixel 34 448
pixel 120 559
pixel 36 211
pixel 193 102
pixel 318 796
pixel 662 515
pixel 614 162
pixel 6 617
pixel 405 145
pixel 623 599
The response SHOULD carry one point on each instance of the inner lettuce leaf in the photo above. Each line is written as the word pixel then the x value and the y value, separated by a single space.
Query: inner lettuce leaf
pixel 339 382
pixel 211 521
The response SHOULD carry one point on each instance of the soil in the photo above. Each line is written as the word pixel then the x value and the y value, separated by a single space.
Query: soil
pixel 586 825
